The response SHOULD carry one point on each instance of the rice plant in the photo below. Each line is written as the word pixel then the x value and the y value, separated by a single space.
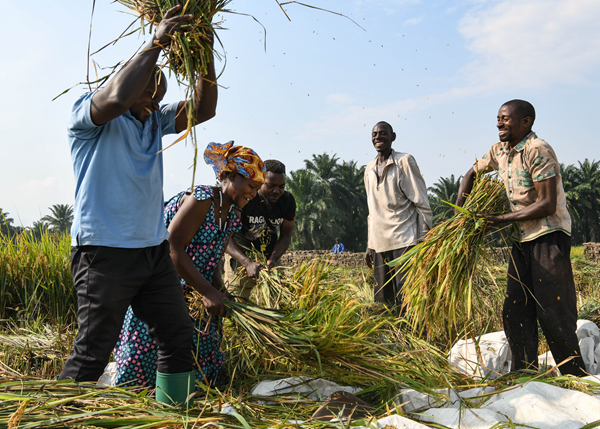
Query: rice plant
pixel 326 332
pixel 35 278
pixel 442 271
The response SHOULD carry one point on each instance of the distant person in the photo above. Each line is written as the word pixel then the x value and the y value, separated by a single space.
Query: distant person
pixel 399 212
pixel 267 226
pixel 120 254
pixel 338 247
pixel 200 222
pixel 540 283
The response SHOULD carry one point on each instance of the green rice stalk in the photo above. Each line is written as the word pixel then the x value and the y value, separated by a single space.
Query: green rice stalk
pixel 442 271
pixel 326 334
pixel 35 277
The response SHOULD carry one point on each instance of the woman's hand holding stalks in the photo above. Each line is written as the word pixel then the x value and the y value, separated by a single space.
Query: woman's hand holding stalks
pixel 213 302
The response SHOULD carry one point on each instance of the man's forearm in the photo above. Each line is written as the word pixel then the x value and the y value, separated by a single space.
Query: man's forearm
pixel 237 253
pixel 280 247
pixel 466 185
pixel 205 102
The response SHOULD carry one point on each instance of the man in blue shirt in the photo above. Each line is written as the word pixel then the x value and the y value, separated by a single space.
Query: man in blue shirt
pixel 338 247
pixel 120 255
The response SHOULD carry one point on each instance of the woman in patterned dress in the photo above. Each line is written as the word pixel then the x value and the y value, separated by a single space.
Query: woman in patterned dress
pixel 200 224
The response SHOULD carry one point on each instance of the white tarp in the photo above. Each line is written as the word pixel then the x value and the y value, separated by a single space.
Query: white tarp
pixel 109 376
pixel 536 404
pixel 545 406
pixel 494 357
pixel 394 421
pixel 316 389
pixel 589 344
pixel 464 418
pixel 411 400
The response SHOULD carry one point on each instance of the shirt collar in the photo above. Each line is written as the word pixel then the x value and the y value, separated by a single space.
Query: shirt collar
pixel 389 161
pixel 519 147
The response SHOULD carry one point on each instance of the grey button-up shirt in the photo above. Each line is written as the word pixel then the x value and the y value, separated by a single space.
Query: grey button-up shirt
pixel 399 212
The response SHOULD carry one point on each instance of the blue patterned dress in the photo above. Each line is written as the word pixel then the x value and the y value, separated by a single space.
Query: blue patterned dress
pixel 136 352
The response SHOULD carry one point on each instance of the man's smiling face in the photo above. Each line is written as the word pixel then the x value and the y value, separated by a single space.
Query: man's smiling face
pixel 382 137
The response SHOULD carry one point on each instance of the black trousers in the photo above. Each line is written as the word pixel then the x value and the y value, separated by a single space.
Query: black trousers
pixel 388 288
pixel 541 287
pixel 107 281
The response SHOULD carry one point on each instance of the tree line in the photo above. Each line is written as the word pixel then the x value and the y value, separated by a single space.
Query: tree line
pixel 332 203
pixel 60 220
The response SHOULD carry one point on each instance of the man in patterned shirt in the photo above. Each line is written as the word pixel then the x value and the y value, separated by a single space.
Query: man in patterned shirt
pixel 540 279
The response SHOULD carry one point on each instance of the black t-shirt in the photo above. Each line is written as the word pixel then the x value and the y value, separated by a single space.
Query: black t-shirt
pixel 261 223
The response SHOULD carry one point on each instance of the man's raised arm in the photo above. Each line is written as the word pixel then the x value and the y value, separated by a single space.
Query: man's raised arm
pixel 128 85
pixel 205 102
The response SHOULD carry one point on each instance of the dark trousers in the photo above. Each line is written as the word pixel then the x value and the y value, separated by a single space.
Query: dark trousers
pixel 107 281
pixel 388 288
pixel 541 286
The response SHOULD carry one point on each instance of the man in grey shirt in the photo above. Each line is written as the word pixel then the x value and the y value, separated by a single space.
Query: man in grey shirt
pixel 399 212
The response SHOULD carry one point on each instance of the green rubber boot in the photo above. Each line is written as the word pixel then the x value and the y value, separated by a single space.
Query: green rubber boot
pixel 174 389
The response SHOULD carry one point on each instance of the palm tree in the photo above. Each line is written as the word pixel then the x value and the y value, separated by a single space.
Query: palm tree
pixel 61 218
pixel 446 189
pixel 589 174
pixel 324 168
pixel 350 200
pixel 38 228
pixel 574 190
pixel 6 227
pixel 312 214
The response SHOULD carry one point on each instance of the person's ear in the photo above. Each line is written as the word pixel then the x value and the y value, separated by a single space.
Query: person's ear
pixel 393 136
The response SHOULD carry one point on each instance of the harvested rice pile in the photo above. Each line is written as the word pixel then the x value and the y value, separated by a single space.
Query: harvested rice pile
pixel 441 271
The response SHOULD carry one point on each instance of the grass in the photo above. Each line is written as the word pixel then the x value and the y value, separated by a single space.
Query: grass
pixel 345 338
pixel 35 278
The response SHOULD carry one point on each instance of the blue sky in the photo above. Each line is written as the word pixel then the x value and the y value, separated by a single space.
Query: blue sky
pixel 436 70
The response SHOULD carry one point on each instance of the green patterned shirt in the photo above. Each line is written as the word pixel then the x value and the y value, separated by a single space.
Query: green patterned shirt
pixel 532 160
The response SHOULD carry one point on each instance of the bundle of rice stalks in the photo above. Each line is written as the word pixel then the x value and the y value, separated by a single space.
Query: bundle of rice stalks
pixel 26 403
pixel 41 352
pixel 274 290
pixel 190 51
pixel 324 332
pixel 440 271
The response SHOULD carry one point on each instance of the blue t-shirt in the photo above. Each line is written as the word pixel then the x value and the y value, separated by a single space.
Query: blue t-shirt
pixel 119 177
pixel 338 248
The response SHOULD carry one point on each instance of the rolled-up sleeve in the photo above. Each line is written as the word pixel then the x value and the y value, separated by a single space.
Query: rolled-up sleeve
pixel 489 161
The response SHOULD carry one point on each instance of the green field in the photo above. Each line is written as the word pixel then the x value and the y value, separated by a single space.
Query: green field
pixel 352 341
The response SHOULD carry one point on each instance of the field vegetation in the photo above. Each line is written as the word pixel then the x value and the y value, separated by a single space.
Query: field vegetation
pixel 344 336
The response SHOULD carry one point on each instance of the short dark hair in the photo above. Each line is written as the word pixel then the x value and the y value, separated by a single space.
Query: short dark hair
pixel 522 108
pixel 386 124
pixel 274 166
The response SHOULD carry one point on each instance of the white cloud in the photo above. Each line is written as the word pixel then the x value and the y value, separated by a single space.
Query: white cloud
pixel 413 21
pixel 515 45
pixel 532 44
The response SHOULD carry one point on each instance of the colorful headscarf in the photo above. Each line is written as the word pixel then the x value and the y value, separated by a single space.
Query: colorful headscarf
pixel 227 157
